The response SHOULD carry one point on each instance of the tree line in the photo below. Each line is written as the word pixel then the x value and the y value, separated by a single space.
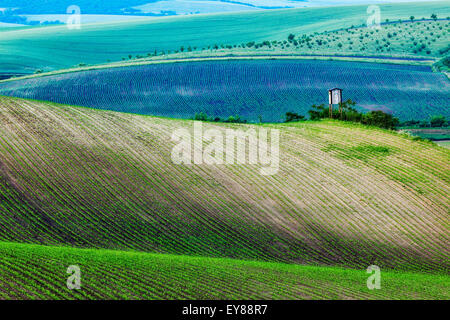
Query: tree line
pixel 347 112
pixel 376 118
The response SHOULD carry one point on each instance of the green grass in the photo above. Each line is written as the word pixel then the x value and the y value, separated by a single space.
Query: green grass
pixel 361 152
pixel 39 272
pixel 55 47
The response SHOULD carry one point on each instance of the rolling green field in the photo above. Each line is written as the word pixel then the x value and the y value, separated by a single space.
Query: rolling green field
pixel 39 272
pixel 55 47
pixel 346 196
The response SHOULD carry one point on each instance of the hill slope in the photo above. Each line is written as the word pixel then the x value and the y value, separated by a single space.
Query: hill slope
pixel 57 47
pixel 344 194
pixel 39 272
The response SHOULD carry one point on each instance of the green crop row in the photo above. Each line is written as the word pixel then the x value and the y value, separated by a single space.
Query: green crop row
pixel 345 194
pixel 39 272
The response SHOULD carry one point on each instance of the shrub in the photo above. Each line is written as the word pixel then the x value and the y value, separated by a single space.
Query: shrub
pixel 410 123
pixel 294 117
pixel 318 112
pixel 438 121
pixel 235 119
pixel 380 119
pixel 202 116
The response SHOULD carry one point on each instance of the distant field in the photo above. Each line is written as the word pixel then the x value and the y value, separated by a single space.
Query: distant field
pixel 9 25
pixel 195 7
pixel 181 6
pixel 250 89
pixel 39 272
pixel 118 6
pixel 55 47
pixel 345 194
pixel 431 133
pixel 414 40
pixel 85 18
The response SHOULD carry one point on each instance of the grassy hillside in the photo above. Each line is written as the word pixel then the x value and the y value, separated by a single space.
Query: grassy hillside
pixel 39 272
pixel 56 47
pixel 445 143
pixel 9 25
pixel 345 195
pixel 257 89
pixel 60 6
pixel 413 40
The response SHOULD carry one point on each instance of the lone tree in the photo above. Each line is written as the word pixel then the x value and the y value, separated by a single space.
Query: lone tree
pixel 434 16
pixel 412 18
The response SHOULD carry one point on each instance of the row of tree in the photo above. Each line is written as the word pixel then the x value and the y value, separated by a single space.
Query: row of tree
pixel 202 116
pixel 347 112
